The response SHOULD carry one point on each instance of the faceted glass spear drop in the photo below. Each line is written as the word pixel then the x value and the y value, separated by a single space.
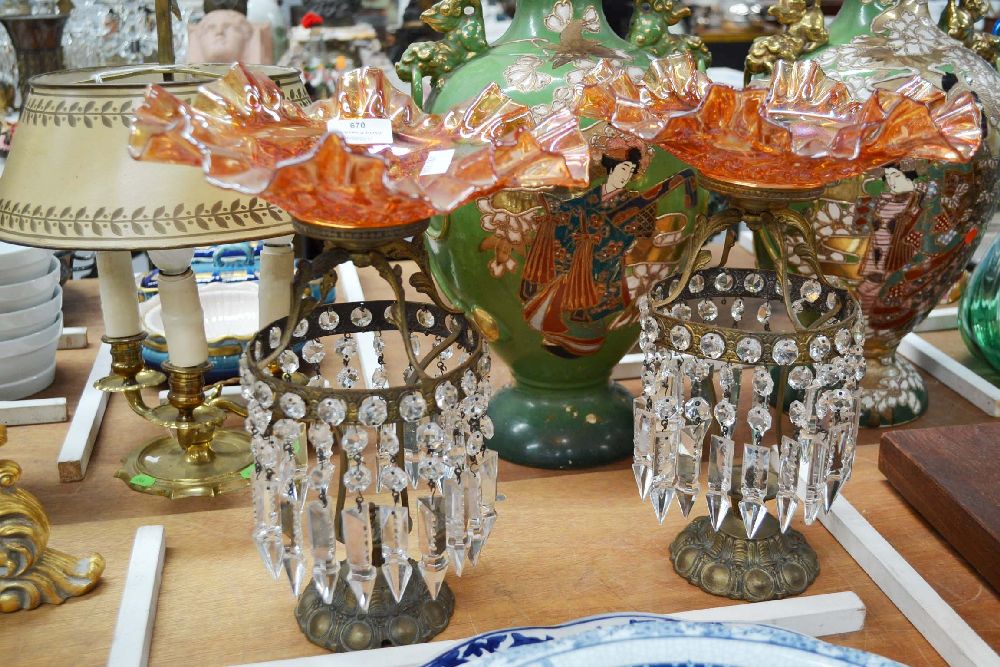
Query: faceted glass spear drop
pixel 295 569
pixel 456 523
pixel 754 487
pixel 662 489
pixel 642 440
pixel 326 568
pixel 720 475
pixel 788 479
pixel 838 445
pixel 271 548
pixel 815 473
pixel 474 509
pixel 688 465
pixel 396 568
pixel 488 469
pixel 361 573
pixel 433 564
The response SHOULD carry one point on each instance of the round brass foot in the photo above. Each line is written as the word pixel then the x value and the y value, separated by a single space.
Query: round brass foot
pixel 163 468
pixel 771 566
pixel 341 626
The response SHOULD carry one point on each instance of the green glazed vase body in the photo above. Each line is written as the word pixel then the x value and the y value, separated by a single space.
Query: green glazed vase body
pixel 552 279
pixel 979 309
pixel 899 237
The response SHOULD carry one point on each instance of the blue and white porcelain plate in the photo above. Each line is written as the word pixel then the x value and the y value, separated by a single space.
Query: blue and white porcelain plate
pixel 636 640
pixel 495 641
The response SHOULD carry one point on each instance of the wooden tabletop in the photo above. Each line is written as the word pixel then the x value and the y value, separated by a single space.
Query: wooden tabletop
pixel 567 544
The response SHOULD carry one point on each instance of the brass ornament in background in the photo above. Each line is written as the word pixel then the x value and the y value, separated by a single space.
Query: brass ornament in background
pixel 341 626
pixel 650 30
pixel 959 19
pixel 31 573
pixel 37 42
pixel 805 31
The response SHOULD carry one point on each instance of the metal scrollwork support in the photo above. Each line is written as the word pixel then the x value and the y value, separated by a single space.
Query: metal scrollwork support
pixel 767 214
pixel 31 573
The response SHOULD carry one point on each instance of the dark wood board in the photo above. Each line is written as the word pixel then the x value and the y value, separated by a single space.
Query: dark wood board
pixel 951 476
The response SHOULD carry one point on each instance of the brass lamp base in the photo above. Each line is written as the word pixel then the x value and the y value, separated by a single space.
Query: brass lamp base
pixel 163 468
pixel 726 563
pixel 341 626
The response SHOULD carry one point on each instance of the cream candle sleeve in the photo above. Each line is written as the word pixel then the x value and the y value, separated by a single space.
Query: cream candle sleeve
pixel 277 266
pixel 183 319
pixel 119 299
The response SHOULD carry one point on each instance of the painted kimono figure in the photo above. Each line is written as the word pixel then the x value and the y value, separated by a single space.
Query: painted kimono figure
pixel 896 213
pixel 575 272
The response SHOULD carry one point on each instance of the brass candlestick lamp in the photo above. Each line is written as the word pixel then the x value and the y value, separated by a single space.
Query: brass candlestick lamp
pixel 69 184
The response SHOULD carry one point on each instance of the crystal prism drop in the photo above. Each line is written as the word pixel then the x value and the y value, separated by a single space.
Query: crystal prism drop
pixel 753 515
pixel 325 575
pixel 272 550
pixel 642 440
pixel 396 568
pixel 754 487
pixel 685 500
pixel 788 478
pixel 361 575
pixel 838 438
pixel 433 564
pixel 643 478
pixel 472 484
pixel 321 534
pixel 816 472
pixel 661 497
pixel 718 508
pixel 488 493
pixel 786 510
pixel 295 569
pixel 456 523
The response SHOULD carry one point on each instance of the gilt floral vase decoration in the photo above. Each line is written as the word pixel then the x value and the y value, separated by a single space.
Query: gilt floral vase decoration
pixel 900 236
pixel 552 278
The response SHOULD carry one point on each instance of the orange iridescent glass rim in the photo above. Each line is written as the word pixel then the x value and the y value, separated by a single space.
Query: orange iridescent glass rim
pixel 799 129
pixel 247 137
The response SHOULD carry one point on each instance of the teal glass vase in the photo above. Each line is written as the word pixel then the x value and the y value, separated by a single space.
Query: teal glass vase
pixel 979 309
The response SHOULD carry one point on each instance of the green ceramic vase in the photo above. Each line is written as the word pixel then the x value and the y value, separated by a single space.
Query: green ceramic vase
pixel 552 279
pixel 900 236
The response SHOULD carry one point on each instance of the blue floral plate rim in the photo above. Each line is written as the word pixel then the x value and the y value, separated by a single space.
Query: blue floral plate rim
pixel 524 646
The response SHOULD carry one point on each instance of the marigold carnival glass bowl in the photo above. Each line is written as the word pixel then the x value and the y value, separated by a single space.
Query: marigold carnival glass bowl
pixel 798 130
pixel 246 136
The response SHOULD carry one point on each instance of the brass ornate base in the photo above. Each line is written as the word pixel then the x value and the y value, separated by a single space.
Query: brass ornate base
pixel 163 468
pixel 892 393
pixel 340 626
pixel 31 574
pixel 771 566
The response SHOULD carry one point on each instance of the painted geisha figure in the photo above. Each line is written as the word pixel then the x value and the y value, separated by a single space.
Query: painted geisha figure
pixel 587 256
pixel 893 215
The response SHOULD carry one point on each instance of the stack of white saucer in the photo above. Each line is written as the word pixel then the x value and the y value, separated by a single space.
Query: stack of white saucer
pixel 31 320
